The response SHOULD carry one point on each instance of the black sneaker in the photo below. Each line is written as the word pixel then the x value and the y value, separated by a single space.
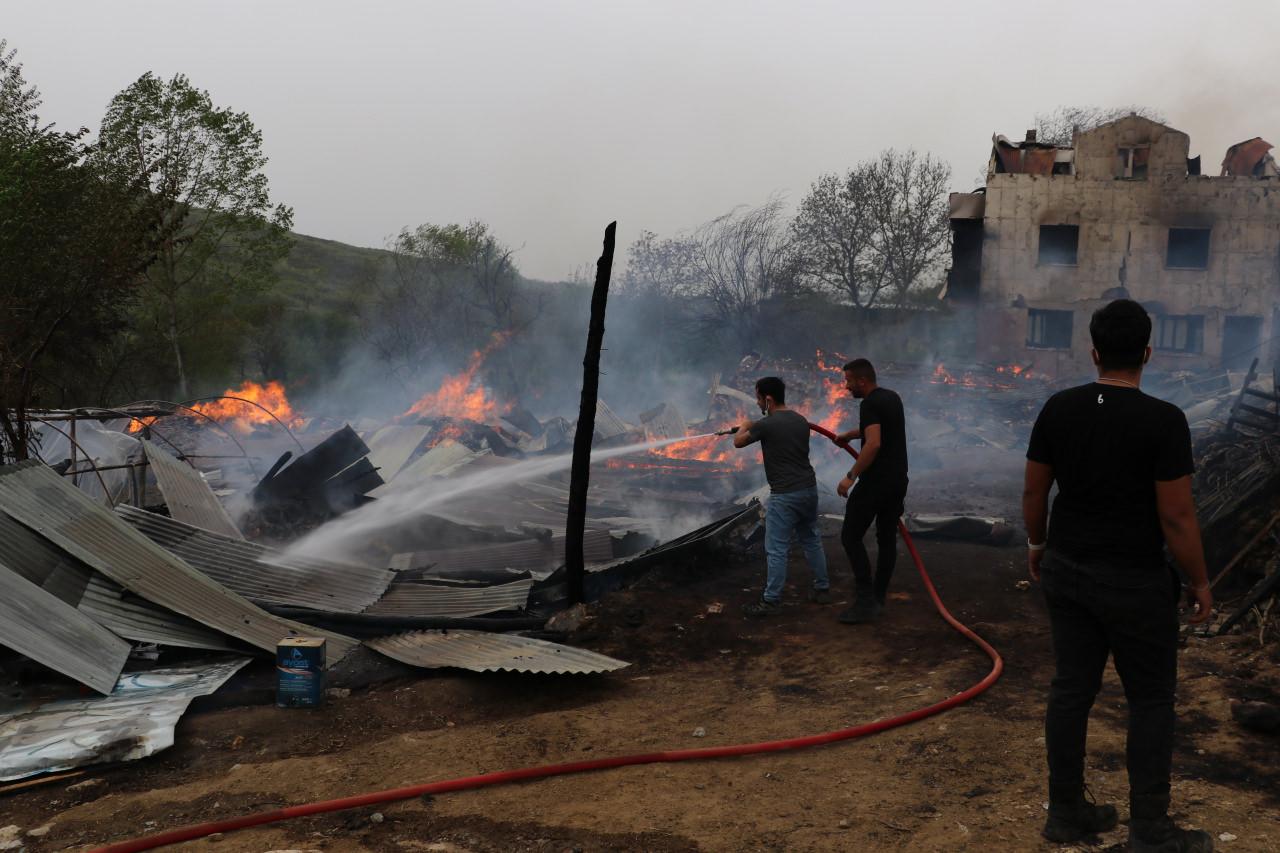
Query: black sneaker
pixel 820 596
pixel 761 608
pixel 1068 823
pixel 1164 836
pixel 864 610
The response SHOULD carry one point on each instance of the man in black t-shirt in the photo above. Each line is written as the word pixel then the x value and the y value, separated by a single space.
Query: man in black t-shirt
pixel 876 487
pixel 1123 464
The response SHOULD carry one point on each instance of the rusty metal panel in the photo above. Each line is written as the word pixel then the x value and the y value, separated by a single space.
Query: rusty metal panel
pixel 1038 161
pixel 415 598
pixel 263 574
pixel 46 629
pixel 187 495
pixel 479 651
pixel 34 495
pixel 1244 156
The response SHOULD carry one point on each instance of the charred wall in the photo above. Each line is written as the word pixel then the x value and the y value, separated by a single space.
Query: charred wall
pixel 1202 253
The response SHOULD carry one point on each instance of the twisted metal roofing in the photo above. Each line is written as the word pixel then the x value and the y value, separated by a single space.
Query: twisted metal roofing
pixel 33 494
pixel 416 598
pixel 187 495
pixel 43 627
pixel 105 602
pixel 263 574
pixel 480 651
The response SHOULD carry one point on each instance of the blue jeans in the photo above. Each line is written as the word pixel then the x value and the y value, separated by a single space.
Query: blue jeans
pixel 786 514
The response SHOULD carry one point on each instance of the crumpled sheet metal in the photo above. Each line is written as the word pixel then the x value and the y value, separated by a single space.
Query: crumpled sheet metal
pixel 188 496
pixel 33 494
pixel 410 598
pixel 135 721
pixel 38 624
pixel 480 651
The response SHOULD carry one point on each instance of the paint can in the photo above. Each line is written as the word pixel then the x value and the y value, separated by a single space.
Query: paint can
pixel 300 672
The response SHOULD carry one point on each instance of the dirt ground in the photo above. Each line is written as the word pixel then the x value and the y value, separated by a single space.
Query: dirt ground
pixel 972 778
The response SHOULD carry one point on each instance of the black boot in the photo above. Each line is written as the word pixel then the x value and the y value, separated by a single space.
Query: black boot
pixel 1162 835
pixel 865 609
pixel 1070 822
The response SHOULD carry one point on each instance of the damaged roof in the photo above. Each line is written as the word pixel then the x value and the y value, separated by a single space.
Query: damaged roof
pixel 1250 159
pixel 533 555
pixel 417 598
pixel 33 494
pixel 104 601
pixel 186 493
pixel 479 651
pixel 46 629
pixel 263 574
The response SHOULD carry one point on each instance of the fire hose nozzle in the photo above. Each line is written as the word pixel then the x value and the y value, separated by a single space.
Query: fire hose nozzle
pixel 732 431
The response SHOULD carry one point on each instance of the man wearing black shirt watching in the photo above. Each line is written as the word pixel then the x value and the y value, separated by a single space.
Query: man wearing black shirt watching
pixel 876 487
pixel 1122 461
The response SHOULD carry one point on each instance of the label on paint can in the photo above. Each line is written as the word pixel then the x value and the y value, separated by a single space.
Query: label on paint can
pixel 300 665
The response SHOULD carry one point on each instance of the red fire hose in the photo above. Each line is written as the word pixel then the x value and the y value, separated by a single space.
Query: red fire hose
pixel 201 830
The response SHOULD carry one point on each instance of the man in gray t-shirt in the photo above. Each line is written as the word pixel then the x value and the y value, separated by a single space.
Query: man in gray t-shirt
pixel 793 494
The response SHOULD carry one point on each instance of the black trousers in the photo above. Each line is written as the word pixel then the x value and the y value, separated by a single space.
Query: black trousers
pixel 1094 612
pixel 880 503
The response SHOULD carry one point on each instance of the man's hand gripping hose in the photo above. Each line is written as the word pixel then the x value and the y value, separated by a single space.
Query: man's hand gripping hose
pixel 188 833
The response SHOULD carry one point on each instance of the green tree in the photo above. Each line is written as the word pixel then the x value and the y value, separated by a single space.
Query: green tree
pixel 205 166
pixel 75 236
pixel 451 288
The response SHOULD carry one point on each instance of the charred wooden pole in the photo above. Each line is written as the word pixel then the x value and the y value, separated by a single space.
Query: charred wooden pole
pixel 576 523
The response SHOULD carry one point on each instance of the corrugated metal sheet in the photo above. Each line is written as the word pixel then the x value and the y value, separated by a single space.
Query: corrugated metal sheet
pixel 392 446
pixel 46 629
pixel 533 555
pixel 479 651
pixel 414 598
pixel 608 424
pixel 262 574
pixel 57 572
pixel 137 619
pixel 187 495
pixel 33 494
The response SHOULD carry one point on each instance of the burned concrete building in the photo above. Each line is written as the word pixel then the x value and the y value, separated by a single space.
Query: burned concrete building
pixel 1123 211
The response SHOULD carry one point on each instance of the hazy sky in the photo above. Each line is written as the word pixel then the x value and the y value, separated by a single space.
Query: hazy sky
pixel 549 119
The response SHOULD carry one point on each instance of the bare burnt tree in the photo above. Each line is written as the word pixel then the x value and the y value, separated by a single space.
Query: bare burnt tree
pixel 1061 125
pixel 910 214
pixel 658 267
pixel 874 234
pixel 742 260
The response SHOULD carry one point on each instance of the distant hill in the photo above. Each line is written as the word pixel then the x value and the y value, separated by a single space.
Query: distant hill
pixel 327 271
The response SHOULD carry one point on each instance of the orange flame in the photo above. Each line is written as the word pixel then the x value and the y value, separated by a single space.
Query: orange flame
pixel 459 397
pixel 715 449
pixel 244 417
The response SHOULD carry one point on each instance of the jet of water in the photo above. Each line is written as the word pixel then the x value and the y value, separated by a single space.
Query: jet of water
pixel 333 540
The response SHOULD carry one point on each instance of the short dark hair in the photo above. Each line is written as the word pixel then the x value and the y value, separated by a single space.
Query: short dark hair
pixel 772 386
pixel 861 369
pixel 1120 332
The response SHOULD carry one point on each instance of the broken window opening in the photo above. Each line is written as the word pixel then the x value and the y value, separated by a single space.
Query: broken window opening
pixel 1059 245
pixel 1188 248
pixel 1048 329
pixel 1178 333
pixel 1241 341
pixel 1132 162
